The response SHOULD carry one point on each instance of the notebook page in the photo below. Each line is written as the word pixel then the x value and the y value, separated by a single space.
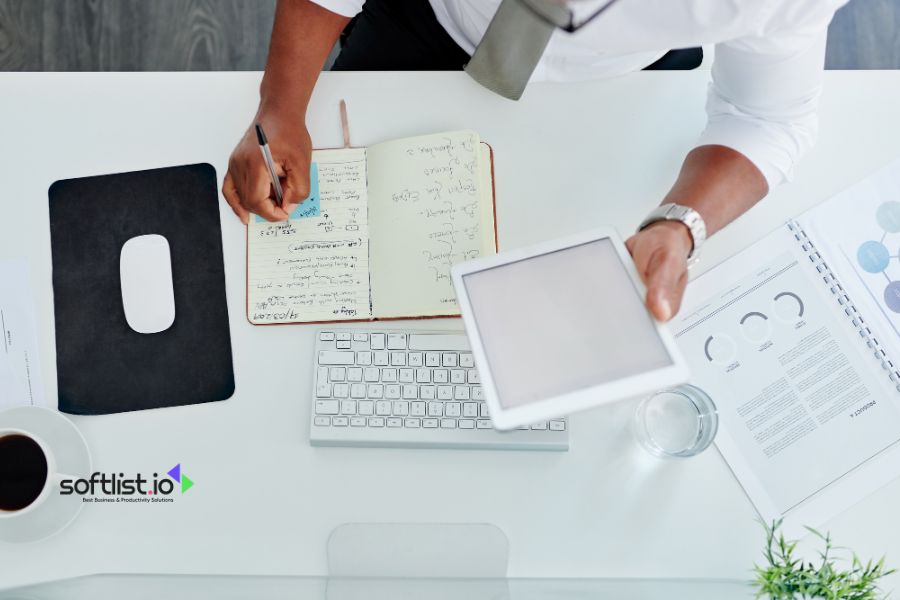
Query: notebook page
pixel 428 211
pixel 315 268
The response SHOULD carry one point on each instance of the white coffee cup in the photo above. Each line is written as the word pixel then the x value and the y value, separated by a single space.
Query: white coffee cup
pixel 52 483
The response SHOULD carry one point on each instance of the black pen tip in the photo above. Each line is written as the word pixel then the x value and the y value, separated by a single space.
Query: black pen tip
pixel 260 135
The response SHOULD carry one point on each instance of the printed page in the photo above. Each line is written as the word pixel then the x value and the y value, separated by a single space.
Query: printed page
pixel 858 234
pixel 431 206
pixel 21 383
pixel 315 267
pixel 802 402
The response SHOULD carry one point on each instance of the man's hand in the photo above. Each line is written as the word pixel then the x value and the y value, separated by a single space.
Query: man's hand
pixel 248 187
pixel 660 253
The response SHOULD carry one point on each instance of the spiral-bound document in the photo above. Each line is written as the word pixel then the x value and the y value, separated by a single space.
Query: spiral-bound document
pixel 797 339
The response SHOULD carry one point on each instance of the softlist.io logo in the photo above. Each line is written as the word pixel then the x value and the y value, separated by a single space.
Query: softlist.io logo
pixel 116 487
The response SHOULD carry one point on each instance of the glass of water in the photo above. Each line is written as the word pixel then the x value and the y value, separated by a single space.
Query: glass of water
pixel 678 422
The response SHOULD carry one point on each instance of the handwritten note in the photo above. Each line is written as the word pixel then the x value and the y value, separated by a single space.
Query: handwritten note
pixel 315 268
pixel 311 206
pixel 430 208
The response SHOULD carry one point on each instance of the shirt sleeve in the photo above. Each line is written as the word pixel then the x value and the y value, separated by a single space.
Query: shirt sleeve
pixel 345 8
pixel 763 98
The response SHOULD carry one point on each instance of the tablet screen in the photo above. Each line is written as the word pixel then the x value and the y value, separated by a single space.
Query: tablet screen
pixel 561 322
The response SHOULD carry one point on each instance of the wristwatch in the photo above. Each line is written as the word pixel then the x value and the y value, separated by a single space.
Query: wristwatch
pixel 690 217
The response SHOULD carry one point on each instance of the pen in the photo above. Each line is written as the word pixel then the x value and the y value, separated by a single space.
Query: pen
pixel 267 156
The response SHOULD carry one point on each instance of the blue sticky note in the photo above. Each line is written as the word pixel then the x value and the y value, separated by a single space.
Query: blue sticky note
pixel 309 207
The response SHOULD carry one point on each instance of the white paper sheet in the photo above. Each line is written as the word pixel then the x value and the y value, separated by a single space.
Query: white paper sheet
pixel 21 383
pixel 809 420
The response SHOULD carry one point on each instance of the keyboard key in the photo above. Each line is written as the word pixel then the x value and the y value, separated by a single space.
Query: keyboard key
pixel 473 376
pixel 322 421
pixel 343 345
pixel 429 423
pixel 457 376
pixel 358 390
pixel 372 374
pixel 423 375
pixel 440 376
pixel 392 391
pixel 360 337
pixel 354 374
pixel 482 410
pixel 426 392
pixel 326 407
pixel 323 390
pixel 357 421
pixel 395 422
pixel 376 422
pixel 448 423
pixel 398 359
pixel 470 409
pixel 484 424
pixel 380 359
pixel 435 409
pixel 411 423
pixel 364 358
pixel 407 375
pixel 477 393
pixel 389 375
pixel 449 359
pixel 416 359
pixel 466 424
pixel 557 425
pixel 401 408
pixel 331 357
pixel 542 426
pixel 462 392
pixel 322 375
pixel 348 407
pixel 439 341
pixel 466 360
pixel 376 341
pixel 445 392
pixel 432 359
pixel 452 409
pixel 341 390
pixel 340 421
pixel 410 392
pixel 327 336
pixel 366 408
pixel 417 409
pixel 396 341
pixel 344 336
pixel 337 373
pixel 383 408
pixel 375 390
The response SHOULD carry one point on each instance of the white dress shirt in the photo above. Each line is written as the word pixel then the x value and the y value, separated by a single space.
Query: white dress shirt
pixel 766 76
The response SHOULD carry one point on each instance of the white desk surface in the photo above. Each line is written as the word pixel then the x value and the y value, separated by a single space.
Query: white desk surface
pixel 567 157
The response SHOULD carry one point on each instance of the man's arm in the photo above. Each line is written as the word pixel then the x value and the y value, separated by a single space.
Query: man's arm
pixel 302 36
pixel 762 117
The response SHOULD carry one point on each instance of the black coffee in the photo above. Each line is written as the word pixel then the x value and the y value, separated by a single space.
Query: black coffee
pixel 23 471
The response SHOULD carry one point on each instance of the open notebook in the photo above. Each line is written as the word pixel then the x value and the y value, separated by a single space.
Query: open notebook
pixel 391 220
pixel 797 340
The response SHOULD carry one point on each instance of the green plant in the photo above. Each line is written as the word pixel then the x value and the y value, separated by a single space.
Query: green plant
pixel 786 577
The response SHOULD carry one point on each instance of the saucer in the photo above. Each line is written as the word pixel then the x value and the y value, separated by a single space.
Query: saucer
pixel 72 458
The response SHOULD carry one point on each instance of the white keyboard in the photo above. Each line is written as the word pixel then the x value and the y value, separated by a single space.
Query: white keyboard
pixel 409 389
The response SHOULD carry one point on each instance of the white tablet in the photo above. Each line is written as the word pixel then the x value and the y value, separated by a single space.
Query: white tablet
pixel 561 327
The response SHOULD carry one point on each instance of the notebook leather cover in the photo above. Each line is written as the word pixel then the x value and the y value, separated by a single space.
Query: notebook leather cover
pixel 103 366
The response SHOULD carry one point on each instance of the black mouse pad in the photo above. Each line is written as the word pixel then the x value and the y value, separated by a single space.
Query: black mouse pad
pixel 103 366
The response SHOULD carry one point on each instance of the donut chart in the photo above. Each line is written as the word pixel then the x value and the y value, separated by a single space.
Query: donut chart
pixel 788 307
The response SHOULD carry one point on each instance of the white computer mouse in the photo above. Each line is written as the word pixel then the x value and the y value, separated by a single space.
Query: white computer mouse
pixel 145 267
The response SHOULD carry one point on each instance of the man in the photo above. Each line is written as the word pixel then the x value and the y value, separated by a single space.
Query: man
pixel 766 81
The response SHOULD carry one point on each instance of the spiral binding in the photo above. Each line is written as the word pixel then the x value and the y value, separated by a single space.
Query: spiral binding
pixel 844 300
